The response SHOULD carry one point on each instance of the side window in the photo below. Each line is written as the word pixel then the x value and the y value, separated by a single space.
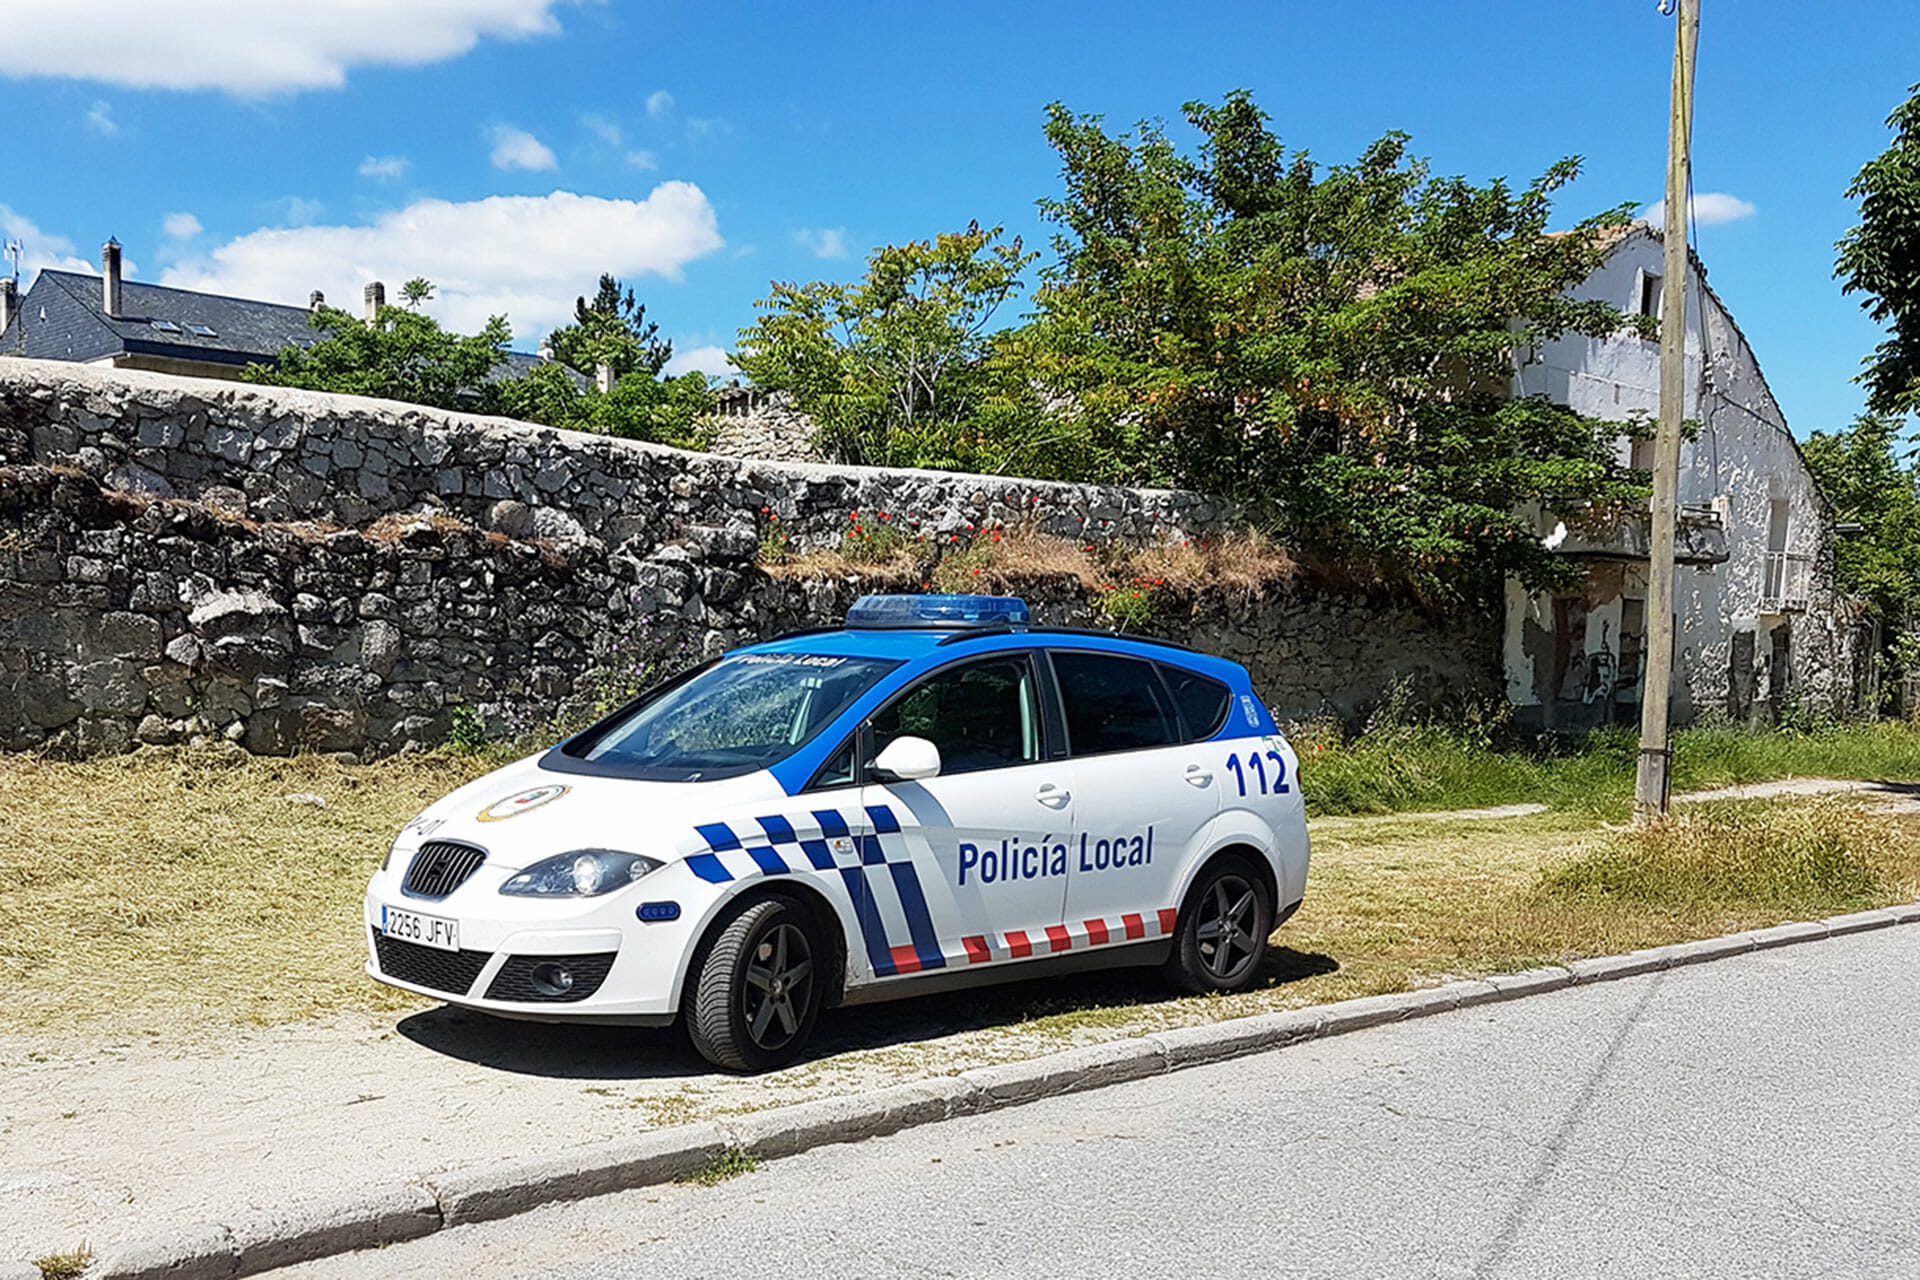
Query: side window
pixel 1112 703
pixel 838 770
pixel 983 715
pixel 1203 701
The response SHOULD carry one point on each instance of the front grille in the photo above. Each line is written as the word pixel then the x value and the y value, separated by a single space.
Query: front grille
pixel 440 867
pixel 453 972
pixel 515 979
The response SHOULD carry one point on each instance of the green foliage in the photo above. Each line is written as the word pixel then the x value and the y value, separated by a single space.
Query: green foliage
pixel 467 732
pixel 1331 347
pixel 403 355
pixel 612 330
pixel 1880 258
pixel 1129 608
pixel 64 1266
pixel 731 1163
pixel 639 407
pixel 900 367
pixel 1868 477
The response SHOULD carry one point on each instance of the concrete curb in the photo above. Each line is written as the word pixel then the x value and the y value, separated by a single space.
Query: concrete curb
pixel 400 1211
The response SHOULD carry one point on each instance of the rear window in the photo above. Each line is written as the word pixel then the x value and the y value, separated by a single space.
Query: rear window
pixel 1112 703
pixel 1202 700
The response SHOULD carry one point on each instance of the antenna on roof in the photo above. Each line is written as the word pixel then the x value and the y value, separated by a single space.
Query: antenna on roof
pixel 15 252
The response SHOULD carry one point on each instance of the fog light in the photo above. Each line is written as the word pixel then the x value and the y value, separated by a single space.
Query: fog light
pixel 552 979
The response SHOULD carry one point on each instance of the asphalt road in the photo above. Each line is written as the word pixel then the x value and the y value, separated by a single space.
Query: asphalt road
pixel 1751 1117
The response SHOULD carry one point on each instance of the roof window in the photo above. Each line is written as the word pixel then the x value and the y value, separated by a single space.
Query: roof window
pixel 164 326
pixel 202 330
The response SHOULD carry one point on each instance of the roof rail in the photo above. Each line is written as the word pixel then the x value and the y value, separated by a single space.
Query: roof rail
pixel 1094 632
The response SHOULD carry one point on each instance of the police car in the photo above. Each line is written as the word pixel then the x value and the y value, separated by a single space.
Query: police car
pixel 939 794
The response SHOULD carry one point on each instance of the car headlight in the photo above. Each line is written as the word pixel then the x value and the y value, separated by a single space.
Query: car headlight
pixel 584 873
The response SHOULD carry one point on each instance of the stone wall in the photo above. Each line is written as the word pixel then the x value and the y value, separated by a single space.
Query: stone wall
pixel 302 572
pixel 763 425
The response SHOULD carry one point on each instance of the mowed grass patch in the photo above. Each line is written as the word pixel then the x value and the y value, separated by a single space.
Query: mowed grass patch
pixel 172 888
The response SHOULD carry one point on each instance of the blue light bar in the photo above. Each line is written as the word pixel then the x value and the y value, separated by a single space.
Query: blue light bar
pixel 879 613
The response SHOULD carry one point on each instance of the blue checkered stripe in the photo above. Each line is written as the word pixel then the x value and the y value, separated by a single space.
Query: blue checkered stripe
pixel 875 868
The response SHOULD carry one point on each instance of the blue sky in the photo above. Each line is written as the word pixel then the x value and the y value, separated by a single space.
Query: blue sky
pixel 512 149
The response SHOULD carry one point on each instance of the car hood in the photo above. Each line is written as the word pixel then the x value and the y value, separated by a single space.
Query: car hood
pixel 523 813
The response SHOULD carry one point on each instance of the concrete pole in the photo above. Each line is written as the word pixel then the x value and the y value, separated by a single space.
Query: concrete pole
pixel 1654 780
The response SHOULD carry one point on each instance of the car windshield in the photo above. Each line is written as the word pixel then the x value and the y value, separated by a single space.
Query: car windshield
pixel 744 713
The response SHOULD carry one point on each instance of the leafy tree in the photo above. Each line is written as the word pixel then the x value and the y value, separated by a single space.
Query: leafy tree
pixel 1332 347
pixel 639 407
pixel 901 366
pixel 403 355
pixel 1867 473
pixel 1881 259
pixel 416 291
pixel 612 330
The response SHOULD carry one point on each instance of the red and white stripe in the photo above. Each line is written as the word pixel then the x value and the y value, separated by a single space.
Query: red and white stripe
pixel 1078 936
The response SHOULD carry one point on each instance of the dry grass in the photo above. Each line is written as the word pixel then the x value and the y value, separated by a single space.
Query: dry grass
pixel 1246 562
pixel 188 883
pixel 64 1266
pixel 178 894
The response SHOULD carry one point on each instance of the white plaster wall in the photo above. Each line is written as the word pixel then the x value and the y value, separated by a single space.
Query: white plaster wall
pixel 1741 460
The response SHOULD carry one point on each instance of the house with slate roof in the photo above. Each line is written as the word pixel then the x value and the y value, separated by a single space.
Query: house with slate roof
pixel 109 320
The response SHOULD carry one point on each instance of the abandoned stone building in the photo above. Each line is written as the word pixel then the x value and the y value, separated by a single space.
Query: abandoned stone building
pixel 1759 628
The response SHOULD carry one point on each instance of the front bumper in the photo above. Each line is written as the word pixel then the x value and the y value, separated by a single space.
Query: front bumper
pixel 549 961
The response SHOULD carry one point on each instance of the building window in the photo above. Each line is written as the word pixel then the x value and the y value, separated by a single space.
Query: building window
pixel 1649 294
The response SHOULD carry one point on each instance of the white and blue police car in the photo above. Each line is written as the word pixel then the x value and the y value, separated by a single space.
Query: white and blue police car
pixel 939 794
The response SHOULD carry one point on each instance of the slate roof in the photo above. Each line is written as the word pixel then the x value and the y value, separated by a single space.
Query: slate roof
pixel 60 319
pixel 239 331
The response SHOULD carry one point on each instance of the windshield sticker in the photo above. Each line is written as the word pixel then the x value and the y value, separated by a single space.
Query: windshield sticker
pixel 521 802
pixel 789 660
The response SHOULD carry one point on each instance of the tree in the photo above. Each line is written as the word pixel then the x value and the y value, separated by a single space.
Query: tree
pixel 403 355
pixel 612 330
pixel 1869 478
pixel 898 366
pixel 1880 258
pixel 639 407
pixel 1333 348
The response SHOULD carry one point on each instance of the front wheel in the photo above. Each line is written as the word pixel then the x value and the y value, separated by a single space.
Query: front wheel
pixel 756 991
pixel 1222 933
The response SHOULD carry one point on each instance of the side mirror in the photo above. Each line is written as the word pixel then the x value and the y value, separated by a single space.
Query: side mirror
pixel 907 760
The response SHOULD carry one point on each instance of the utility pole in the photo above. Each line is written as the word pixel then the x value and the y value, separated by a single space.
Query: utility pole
pixel 1654 779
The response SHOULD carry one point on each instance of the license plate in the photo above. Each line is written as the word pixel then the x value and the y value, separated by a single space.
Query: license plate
pixel 428 931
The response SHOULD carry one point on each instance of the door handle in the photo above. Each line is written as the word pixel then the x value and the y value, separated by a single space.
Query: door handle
pixel 1198 776
pixel 1051 796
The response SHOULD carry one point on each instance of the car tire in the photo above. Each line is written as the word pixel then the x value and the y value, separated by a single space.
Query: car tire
pixel 756 988
pixel 1221 935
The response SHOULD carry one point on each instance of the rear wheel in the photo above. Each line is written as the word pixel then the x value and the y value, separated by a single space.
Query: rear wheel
pixel 1222 933
pixel 755 993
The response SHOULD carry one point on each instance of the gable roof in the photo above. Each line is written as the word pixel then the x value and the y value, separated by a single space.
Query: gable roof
pixel 60 318
pixel 194 326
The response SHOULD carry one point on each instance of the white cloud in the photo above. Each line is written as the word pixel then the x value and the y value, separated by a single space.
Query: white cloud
pixel 528 257
pixel 518 149
pixel 643 160
pixel 181 226
pixel 659 103
pixel 385 168
pixel 825 242
pixel 299 211
pixel 1710 209
pixel 250 48
pixel 711 361
pixel 41 249
pixel 603 128
pixel 100 119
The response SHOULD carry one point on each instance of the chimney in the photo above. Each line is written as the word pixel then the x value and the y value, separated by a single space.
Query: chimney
pixel 546 347
pixel 9 301
pixel 110 278
pixel 603 377
pixel 316 300
pixel 376 299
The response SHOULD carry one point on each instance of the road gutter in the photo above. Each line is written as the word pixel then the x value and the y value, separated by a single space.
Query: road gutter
pixel 390 1213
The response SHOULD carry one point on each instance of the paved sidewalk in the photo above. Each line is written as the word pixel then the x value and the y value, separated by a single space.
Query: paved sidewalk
pixel 1759 1116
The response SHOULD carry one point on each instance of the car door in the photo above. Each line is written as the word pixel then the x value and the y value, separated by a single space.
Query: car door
pixel 970 867
pixel 1143 795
